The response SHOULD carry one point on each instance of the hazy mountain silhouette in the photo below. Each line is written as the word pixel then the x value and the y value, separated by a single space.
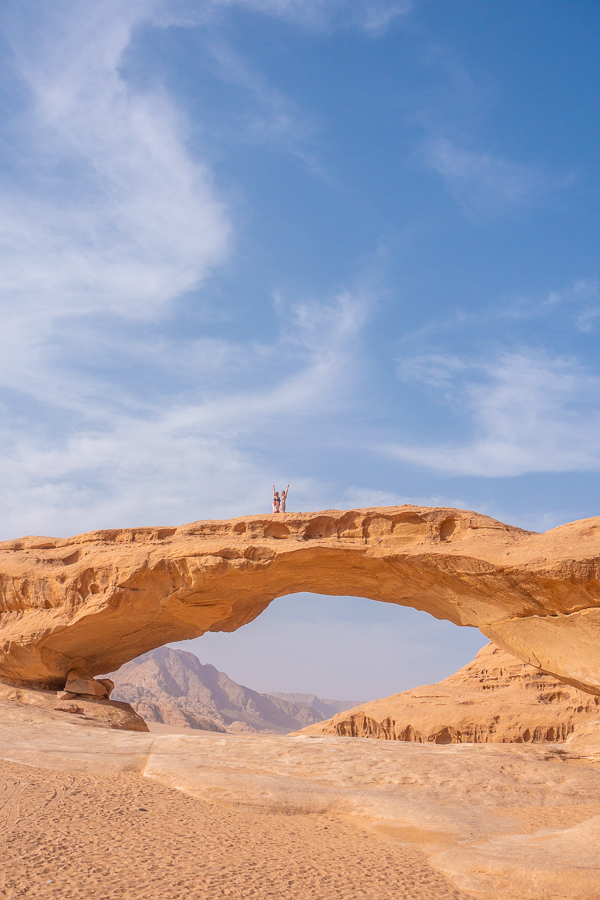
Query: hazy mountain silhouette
pixel 173 687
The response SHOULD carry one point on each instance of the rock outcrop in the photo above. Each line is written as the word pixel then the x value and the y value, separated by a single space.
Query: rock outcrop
pixel 98 600
pixel 172 687
pixel 83 708
pixel 494 699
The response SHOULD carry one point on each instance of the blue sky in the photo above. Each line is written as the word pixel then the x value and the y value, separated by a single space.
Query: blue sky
pixel 348 245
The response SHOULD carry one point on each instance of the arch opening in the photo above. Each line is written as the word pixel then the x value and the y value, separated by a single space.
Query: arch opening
pixel 338 646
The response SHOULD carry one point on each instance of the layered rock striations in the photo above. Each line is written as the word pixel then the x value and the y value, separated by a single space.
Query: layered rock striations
pixel 95 601
pixel 172 687
pixel 494 699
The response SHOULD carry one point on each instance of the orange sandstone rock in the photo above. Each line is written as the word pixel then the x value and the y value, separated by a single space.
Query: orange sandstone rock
pixel 494 699
pixel 89 710
pixel 78 683
pixel 98 600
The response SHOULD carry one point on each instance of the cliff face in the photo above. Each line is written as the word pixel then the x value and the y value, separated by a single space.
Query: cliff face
pixel 494 699
pixel 93 602
pixel 174 688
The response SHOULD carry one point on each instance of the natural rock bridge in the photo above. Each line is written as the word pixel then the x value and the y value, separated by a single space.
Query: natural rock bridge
pixel 95 601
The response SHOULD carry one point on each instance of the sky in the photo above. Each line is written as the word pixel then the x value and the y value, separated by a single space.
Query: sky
pixel 352 246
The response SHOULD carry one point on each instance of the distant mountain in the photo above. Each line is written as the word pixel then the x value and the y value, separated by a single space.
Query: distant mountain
pixel 173 687
pixel 326 708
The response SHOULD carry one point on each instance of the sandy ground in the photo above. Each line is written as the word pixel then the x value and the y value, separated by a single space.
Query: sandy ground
pixel 84 836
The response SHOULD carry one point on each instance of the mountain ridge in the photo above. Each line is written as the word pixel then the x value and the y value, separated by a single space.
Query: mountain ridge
pixel 172 687
pixel 495 698
pixel 326 707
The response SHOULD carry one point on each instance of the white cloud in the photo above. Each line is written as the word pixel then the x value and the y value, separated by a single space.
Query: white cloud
pixel 587 321
pixel 175 459
pixel 482 182
pixel 373 16
pixel 114 213
pixel 362 498
pixel 583 294
pixel 113 220
pixel 525 412
pixel 269 117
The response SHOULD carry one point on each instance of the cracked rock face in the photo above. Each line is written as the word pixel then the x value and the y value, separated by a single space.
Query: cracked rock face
pixel 95 601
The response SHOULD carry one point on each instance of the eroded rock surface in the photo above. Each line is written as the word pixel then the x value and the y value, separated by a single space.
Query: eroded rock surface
pixel 494 699
pixel 98 600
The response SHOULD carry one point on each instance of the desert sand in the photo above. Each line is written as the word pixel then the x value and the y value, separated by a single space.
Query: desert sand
pixel 248 813
pixel 78 836
pixel 91 603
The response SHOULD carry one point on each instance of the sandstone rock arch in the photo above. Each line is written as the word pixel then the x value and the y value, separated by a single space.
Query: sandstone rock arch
pixel 97 600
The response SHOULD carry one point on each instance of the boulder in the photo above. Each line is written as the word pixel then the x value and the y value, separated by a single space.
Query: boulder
pixel 78 683
pixel 15 699
pixel 107 683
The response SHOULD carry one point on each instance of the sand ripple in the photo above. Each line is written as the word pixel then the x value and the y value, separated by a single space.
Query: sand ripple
pixel 82 836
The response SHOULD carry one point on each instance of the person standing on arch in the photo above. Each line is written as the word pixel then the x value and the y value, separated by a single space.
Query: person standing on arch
pixel 283 498
pixel 276 500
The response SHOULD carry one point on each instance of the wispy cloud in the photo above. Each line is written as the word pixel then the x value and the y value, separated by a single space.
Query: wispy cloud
pixel 207 453
pixel 357 498
pixel 112 220
pixel 483 182
pixel 523 412
pixel 372 16
pixel 270 118
pixel 113 213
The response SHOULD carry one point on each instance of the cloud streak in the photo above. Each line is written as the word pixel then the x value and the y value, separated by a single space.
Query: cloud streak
pixel 485 183
pixel 112 222
pixel 526 411
pixel 206 453
pixel 372 16
pixel 114 213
